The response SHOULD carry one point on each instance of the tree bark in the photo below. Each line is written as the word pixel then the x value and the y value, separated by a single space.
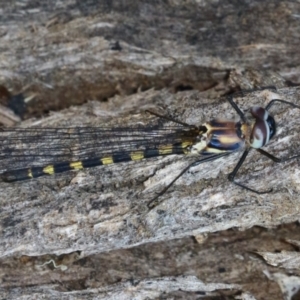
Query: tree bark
pixel 90 234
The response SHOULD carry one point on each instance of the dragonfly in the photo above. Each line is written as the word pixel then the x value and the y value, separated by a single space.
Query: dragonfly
pixel 28 153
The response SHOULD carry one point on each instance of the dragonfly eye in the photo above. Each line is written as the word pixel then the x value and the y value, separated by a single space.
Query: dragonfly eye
pixel 272 126
pixel 264 127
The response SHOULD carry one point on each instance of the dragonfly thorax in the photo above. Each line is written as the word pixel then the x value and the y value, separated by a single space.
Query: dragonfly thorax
pixel 218 137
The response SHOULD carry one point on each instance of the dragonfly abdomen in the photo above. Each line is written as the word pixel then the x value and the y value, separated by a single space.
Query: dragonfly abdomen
pixel 118 157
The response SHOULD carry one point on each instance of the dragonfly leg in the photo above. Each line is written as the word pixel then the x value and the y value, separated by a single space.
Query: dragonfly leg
pixel 232 175
pixel 236 108
pixel 277 159
pixel 154 202
pixel 241 93
pixel 169 119
pixel 280 101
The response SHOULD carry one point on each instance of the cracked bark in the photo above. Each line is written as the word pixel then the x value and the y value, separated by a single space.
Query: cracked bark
pixel 80 234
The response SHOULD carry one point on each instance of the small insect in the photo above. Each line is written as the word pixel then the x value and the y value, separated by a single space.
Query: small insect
pixel 33 152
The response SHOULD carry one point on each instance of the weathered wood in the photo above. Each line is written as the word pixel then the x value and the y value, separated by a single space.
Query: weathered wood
pixel 111 201
pixel 66 53
pixel 105 208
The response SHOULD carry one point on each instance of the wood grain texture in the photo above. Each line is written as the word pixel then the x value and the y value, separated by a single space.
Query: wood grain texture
pixel 90 234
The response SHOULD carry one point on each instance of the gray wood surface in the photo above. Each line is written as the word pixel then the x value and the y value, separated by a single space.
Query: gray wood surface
pixel 89 234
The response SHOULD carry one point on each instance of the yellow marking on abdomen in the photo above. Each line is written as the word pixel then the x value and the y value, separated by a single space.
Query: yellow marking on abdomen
pixel 49 170
pixel 137 155
pixel 107 160
pixel 166 149
pixel 76 165
pixel 185 145
pixel 30 173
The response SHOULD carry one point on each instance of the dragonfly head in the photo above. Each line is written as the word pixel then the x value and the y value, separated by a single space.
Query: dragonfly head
pixel 264 127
